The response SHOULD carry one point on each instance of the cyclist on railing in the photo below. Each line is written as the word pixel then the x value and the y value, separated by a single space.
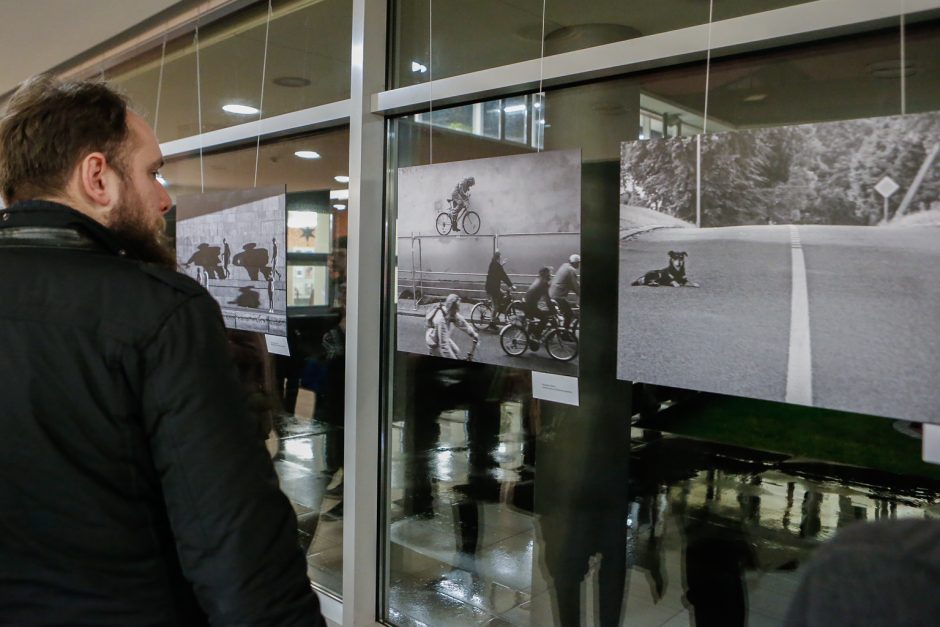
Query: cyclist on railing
pixel 535 296
pixel 565 281
pixel 460 200
pixel 441 321
pixel 495 276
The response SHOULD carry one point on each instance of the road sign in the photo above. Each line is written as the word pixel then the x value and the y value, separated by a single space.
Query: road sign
pixel 886 186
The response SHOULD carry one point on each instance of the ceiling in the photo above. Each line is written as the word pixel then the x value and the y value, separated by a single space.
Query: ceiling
pixel 56 31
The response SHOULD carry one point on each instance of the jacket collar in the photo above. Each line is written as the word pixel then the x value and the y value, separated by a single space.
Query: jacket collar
pixel 52 215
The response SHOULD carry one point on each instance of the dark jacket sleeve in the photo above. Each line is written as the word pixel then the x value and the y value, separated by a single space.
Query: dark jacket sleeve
pixel 236 533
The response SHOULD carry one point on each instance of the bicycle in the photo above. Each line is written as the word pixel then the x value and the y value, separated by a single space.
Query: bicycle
pixel 485 315
pixel 445 222
pixel 561 344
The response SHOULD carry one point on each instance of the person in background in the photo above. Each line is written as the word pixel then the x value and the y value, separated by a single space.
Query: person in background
pixel 565 281
pixel 495 277
pixel 133 485
pixel 535 297
pixel 441 321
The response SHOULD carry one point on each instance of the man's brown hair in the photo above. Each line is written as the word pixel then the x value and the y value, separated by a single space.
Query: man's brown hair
pixel 47 129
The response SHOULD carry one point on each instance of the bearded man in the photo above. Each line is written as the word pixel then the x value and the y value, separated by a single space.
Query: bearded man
pixel 133 488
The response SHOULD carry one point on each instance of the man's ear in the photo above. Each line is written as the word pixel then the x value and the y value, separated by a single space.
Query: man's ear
pixel 98 181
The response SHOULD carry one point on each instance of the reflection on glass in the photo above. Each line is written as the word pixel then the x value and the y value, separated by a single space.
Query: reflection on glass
pixel 308 61
pixel 308 232
pixel 307 286
pixel 310 383
pixel 489 33
pixel 504 509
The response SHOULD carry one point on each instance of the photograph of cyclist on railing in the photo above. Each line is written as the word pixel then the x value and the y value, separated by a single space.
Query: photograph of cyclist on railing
pixel 536 295
pixel 441 320
pixel 460 200
pixel 565 281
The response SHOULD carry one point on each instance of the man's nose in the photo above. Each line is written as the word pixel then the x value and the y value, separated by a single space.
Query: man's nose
pixel 166 203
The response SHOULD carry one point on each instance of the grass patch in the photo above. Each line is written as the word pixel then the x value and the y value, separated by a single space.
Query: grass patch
pixel 832 436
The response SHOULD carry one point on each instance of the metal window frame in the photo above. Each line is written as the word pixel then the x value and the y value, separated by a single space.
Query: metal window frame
pixel 366 112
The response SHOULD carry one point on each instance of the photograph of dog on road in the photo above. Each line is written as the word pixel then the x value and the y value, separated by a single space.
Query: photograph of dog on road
pixel 773 222
pixel 672 275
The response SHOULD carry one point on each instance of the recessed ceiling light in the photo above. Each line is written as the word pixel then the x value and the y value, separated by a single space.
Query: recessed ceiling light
pixel 342 178
pixel 291 81
pixel 239 109
pixel 420 68
pixel 339 207
pixel 514 108
pixel 307 154
pixel 755 97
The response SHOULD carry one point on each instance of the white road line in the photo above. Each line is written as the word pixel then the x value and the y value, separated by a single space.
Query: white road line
pixel 800 363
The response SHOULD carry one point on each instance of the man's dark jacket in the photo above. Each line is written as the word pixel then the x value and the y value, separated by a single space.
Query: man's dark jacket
pixel 133 489
pixel 495 275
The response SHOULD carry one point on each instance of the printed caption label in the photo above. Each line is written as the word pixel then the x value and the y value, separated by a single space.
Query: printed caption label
pixel 932 444
pixel 277 344
pixel 555 387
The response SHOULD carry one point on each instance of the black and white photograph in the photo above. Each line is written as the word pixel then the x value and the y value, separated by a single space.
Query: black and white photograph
pixel 232 243
pixel 793 264
pixel 489 260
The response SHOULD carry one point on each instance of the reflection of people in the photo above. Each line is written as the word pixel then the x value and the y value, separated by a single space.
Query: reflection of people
pixel 495 277
pixel 443 318
pixel 537 295
pixel 565 281
pixel 172 515
pixel 460 199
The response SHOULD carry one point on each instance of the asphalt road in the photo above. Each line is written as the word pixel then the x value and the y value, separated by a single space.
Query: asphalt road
pixel 874 315
pixel 411 331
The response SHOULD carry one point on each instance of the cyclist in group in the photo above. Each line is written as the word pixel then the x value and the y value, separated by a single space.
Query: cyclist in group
pixel 565 281
pixel 460 200
pixel 495 277
pixel 536 295
pixel 441 321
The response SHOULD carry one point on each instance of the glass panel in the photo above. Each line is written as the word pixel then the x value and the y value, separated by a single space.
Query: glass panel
pixel 307 286
pixel 308 231
pixel 489 33
pixel 309 383
pixel 308 64
pixel 643 505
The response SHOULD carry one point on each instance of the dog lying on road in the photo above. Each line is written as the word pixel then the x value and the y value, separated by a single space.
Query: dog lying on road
pixel 672 275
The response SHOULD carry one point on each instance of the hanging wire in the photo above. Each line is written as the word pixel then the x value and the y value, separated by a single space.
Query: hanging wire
pixel 540 96
pixel 708 64
pixel 264 67
pixel 156 113
pixel 431 79
pixel 903 59
pixel 202 170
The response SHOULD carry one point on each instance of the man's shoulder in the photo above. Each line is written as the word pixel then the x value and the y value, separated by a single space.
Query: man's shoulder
pixel 175 280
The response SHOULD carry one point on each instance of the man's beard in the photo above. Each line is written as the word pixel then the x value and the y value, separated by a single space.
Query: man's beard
pixel 144 236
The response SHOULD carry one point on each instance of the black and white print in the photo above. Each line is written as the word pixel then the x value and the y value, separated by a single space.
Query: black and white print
pixel 469 230
pixel 792 264
pixel 233 244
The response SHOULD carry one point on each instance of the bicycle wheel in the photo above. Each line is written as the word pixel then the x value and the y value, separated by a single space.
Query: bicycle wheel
pixel 561 344
pixel 514 339
pixel 443 223
pixel 471 222
pixel 481 316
